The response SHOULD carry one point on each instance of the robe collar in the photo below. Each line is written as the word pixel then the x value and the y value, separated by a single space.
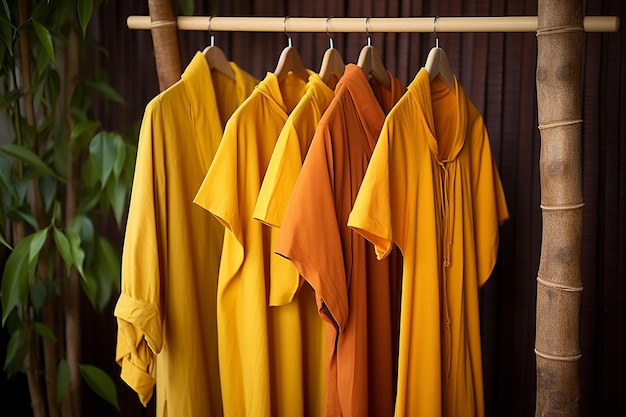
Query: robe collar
pixel 425 92
pixel 200 89
pixel 371 100
pixel 271 88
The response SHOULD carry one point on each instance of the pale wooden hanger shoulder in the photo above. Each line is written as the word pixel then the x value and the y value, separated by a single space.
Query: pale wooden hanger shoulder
pixel 371 63
pixel 290 60
pixel 438 65
pixel 215 56
pixel 332 62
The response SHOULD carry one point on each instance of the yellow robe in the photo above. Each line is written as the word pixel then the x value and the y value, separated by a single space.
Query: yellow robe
pixel 433 188
pixel 280 178
pixel 166 311
pixel 260 349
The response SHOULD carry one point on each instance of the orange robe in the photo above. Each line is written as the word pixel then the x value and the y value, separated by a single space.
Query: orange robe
pixel 354 291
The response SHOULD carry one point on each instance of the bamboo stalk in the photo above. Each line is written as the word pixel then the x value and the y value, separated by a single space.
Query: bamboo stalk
pixel 375 24
pixel 34 384
pixel 559 288
pixel 165 42
pixel 72 405
pixel 50 348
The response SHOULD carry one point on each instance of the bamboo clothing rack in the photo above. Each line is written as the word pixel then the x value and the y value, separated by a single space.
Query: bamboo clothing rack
pixel 358 24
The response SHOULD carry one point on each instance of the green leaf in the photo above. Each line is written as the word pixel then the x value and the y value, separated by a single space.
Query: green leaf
pixel 6 32
pixel 48 190
pixel 22 188
pixel 106 91
pixel 75 226
pixel 87 235
pixel 102 150
pixel 37 242
pixel 44 331
pixel 4 242
pixel 57 212
pixel 90 288
pixel 78 255
pixel 18 270
pixel 63 380
pixel 6 182
pixel 15 277
pixel 63 245
pixel 46 40
pixel 116 192
pixel 16 344
pixel 88 201
pixel 19 214
pixel 38 294
pixel 110 263
pixel 105 290
pixel 30 158
pixel 42 63
pixel 85 9
pixel 100 382
pixel 120 156
pixel 90 176
pixel 85 128
pixel 106 269
pixel 7 11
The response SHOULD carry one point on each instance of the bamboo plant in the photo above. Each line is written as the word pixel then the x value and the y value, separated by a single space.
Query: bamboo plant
pixel 60 175
pixel 560 284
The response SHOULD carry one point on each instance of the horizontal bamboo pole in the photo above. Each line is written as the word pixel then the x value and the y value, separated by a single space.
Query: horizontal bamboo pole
pixel 374 24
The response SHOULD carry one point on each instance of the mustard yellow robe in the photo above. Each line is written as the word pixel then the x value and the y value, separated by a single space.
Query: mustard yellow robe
pixel 166 312
pixel 432 188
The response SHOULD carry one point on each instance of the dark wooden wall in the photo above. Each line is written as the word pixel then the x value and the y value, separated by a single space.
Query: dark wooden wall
pixel 498 72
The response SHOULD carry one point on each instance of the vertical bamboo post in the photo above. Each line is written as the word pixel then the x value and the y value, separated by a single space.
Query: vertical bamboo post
pixel 559 280
pixel 165 42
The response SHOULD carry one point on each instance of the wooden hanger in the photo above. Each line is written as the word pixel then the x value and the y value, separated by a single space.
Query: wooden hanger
pixel 371 63
pixel 215 57
pixel 438 65
pixel 290 61
pixel 332 62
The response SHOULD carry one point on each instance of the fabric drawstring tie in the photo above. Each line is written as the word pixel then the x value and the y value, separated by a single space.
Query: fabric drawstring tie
pixel 447 255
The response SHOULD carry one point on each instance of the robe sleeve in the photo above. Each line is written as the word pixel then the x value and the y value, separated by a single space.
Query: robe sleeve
pixel 276 189
pixel 379 210
pixel 309 236
pixel 280 178
pixel 138 309
pixel 221 191
pixel 489 206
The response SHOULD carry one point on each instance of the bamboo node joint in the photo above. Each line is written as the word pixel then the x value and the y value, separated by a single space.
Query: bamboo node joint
pixel 554 30
pixel 562 358
pixel 559 124
pixel 562 207
pixel 162 23
pixel 558 286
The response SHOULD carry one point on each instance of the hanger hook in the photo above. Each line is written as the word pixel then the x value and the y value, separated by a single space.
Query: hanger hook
pixel 285 30
pixel 367 30
pixel 208 25
pixel 435 31
pixel 331 42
